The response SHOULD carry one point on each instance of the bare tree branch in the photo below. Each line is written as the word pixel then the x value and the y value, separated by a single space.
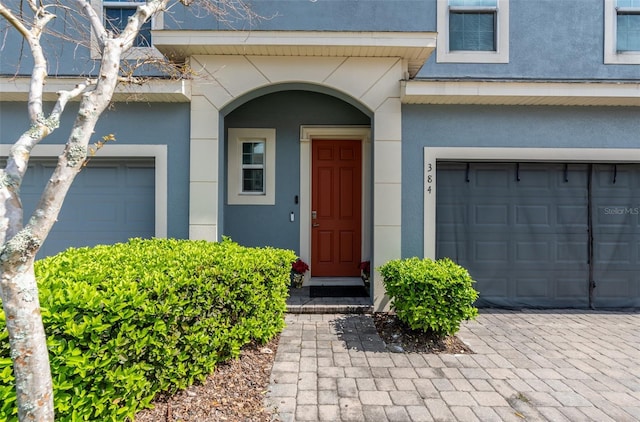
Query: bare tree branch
pixel 95 22
pixel 14 21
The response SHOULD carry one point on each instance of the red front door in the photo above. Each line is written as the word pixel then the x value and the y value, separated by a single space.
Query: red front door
pixel 336 205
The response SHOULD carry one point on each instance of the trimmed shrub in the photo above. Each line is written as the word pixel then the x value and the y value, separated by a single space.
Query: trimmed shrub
pixel 430 295
pixel 127 321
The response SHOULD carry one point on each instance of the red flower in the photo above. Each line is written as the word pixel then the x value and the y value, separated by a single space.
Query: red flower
pixel 300 266
pixel 365 267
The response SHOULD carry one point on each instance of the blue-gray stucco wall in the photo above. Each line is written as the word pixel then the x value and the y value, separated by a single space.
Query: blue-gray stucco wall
pixel 136 123
pixel 286 111
pixel 499 126
pixel 317 15
pixel 549 39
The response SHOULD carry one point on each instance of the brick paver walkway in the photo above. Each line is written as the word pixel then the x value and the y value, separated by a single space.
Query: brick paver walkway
pixel 528 366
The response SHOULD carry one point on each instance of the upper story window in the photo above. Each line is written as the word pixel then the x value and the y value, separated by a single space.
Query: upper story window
pixel 622 32
pixel 116 14
pixel 251 166
pixel 473 31
pixel 628 25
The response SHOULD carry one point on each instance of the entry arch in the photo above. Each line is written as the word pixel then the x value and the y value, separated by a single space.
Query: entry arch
pixel 372 84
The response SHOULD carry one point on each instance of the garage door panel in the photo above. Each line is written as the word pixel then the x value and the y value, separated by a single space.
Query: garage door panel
pixel 109 201
pixel 533 252
pixel 493 252
pixel 570 288
pixel 616 210
pixel 492 287
pixel 490 179
pixel 572 217
pixel 537 215
pixel 491 214
pixel 572 252
pixel 526 241
pixel 522 248
pixel 139 177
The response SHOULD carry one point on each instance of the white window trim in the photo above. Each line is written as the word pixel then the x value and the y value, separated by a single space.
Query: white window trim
pixel 157 22
pixel 611 54
pixel 235 196
pixel 501 55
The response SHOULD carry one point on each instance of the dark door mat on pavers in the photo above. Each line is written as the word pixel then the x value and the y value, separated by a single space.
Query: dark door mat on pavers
pixel 338 291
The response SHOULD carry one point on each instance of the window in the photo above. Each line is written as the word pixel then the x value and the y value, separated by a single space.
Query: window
pixel 473 31
pixel 622 32
pixel 251 166
pixel 116 14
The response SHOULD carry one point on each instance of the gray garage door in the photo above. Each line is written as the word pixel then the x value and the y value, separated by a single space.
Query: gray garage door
pixel 541 234
pixel 110 201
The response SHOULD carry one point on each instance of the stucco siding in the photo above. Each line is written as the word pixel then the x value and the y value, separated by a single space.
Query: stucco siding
pixel 343 15
pixel 548 40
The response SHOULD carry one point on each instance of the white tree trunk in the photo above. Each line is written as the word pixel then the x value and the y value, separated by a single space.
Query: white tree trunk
pixel 19 244
pixel 28 344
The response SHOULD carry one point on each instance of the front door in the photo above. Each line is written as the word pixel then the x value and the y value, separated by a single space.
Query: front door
pixel 336 206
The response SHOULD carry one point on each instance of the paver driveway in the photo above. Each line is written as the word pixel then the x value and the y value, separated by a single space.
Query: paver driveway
pixel 528 366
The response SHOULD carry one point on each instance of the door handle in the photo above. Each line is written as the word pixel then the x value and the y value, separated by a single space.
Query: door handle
pixel 315 225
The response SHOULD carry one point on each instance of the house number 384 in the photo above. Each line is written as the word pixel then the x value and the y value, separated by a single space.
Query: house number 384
pixel 429 178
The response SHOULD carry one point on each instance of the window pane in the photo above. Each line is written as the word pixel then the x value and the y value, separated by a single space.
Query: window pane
pixel 628 32
pixel 471 31
pixel 252 152
pixel 116 19
pixel 252 180
pixel 490 3
pixel 628 3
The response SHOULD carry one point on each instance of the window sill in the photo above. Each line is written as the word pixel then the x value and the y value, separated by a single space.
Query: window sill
pixel 472 57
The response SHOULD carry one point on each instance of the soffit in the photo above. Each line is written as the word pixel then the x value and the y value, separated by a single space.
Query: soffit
pixel 584 93
pixel 152 90
pixel 414 47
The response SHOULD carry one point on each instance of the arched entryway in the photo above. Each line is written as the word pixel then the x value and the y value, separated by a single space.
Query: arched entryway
pixel 282 213
pixel 370 84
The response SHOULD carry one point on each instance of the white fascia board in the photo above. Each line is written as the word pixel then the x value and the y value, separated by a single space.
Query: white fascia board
pixel 296 38
pixel 413 47
pixel 483 92
pixel 152 90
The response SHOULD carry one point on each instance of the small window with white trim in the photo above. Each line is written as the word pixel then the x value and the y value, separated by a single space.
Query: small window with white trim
pixel 251 166
pixel 115 15
pixel 622 32
pixel 473 31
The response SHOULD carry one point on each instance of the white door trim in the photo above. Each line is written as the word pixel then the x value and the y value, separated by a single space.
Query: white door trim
pixel 307 134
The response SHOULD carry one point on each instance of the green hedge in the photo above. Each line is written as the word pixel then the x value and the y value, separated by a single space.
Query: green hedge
pixel 430 295
pixel 127 321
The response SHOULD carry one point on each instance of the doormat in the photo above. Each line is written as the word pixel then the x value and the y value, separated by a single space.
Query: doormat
pixel 338 291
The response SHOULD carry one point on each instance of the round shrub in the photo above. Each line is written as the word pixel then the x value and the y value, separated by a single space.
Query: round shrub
pixel 430 295
pixel 127 321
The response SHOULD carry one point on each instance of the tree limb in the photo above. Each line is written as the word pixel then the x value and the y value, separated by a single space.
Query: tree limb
pixel 95 22
pixel 14 21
